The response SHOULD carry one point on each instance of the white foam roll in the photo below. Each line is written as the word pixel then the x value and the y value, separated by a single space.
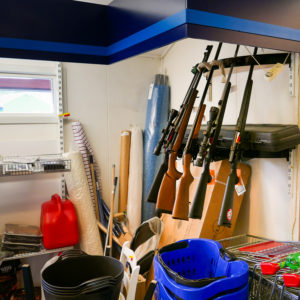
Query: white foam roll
pixel 135 182
pixel 79 194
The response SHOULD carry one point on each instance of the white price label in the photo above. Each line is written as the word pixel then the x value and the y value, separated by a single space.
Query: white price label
pixel 240 189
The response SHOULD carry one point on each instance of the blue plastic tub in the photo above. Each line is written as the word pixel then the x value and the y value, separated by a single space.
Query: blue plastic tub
pixel 241 294
pixel 199 269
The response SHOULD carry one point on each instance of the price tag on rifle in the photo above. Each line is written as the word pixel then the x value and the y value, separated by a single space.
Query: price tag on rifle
pixel 240 186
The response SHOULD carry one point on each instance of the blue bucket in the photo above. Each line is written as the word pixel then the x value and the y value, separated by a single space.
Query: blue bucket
pixel 241 294
pixel 199 269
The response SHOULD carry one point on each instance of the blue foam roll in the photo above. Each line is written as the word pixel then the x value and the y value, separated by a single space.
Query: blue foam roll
pixel 156 120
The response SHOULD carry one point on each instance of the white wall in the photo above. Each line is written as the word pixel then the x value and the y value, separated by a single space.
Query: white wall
pixel 22 196
pixel 106 100
pixel 267 210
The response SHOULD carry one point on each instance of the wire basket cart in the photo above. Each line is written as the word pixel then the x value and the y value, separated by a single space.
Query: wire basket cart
pixel 255 250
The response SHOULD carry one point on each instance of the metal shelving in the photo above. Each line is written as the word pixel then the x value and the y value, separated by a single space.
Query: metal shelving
pixel 28 165
pixel 264 286
pixel 32 254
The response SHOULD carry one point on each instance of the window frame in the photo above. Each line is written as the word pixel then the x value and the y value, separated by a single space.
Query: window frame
pixel 33 69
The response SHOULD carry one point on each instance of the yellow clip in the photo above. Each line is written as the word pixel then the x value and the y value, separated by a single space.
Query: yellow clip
pixel 64 115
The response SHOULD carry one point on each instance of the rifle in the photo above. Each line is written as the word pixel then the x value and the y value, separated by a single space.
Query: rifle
pixel 208 145
pixel 166 194
pixel 168 133
pixel 225 216
pixel 181 206
pixel 153 192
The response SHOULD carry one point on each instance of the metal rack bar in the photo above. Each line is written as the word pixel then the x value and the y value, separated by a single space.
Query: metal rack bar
pixel 32 254
pixel 264 286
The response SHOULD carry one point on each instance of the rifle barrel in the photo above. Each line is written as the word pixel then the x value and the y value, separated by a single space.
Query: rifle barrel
pixel 198 201
pixel 209 78
pixel 153 192
pixel 181 205
pixel 172 116
pixel 168 136
pixel 225 217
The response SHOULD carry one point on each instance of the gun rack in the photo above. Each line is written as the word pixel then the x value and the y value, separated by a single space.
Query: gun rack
pixel 263 59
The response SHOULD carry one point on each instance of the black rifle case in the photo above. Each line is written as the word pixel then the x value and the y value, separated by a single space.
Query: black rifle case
pixel 261 141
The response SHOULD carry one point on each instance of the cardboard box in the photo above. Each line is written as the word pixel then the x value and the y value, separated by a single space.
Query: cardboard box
pixel 140 288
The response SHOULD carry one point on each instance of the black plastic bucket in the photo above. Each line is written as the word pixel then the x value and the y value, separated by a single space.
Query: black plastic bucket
pixel 76 275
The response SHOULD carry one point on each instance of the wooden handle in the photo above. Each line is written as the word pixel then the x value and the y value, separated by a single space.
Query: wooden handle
pixel 172 171
pixel 186 117
pixel 167 191
pixel 166 195
pixel 103 229
pixel 124 169
pixel 199 121
pixel 112 208
pixel 181 206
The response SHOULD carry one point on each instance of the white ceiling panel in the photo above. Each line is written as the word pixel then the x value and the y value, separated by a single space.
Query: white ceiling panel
pixel 103 2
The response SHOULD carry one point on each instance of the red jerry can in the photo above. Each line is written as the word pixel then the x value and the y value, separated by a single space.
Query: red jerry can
pixel 59 223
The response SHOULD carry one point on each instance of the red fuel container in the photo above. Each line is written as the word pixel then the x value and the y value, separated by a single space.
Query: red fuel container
pixel 59 223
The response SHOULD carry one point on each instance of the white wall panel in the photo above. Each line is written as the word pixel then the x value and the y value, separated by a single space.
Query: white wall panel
pixel 106 100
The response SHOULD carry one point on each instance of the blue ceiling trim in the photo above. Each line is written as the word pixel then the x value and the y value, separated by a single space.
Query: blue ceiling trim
pixel 126 17
pixel 150 37
pixel 165 38
pixel 52 56
pixel 149 32
pixel 24 44
pixel 237 24
pixel 134 39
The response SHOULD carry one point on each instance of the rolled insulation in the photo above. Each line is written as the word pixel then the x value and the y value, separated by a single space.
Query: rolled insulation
pixel 79 194
pixel 135 183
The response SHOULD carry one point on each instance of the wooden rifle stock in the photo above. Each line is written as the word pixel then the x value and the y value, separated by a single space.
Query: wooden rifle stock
pixel 181 206
pixel 167 191
pixel 169 133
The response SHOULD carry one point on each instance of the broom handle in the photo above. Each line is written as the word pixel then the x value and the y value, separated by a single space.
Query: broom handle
pixel 112 208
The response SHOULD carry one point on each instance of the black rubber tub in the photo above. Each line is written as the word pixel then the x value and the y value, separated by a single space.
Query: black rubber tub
pixel 76 275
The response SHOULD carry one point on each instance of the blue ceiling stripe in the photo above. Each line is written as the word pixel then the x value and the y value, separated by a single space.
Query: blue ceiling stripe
pixel 134 39
pixel 24 44
pixel 185 16
pixel 149 32
pixel 237 24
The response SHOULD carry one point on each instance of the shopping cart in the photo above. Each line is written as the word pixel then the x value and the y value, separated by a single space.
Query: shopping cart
pixel 258 252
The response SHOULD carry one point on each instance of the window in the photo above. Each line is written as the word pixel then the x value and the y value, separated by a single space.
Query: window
pixel 28 93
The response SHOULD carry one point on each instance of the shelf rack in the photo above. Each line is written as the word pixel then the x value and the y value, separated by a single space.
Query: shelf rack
pixel 262 286
pixel 32 254
pixel 29 165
